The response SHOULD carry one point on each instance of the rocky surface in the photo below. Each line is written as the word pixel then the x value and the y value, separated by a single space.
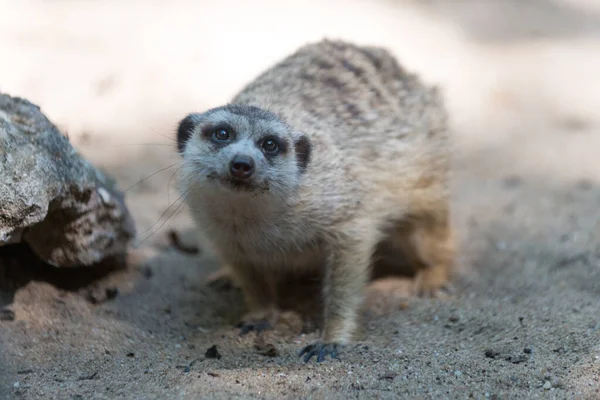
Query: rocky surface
pixel 67 211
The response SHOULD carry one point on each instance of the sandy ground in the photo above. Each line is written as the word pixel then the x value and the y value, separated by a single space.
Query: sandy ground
pixel 522 88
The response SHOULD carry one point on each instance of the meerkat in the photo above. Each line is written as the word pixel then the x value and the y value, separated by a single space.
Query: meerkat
pixel 334 159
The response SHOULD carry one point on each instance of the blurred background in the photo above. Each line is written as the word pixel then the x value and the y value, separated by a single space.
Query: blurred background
pixel 521 83
pixel 520 77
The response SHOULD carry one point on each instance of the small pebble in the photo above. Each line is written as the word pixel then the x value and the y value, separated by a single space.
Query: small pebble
pixel 389 376
pixel 111 293
pixel 7 315
pixel 457 373
pixel 512 181
pixel 147 272
pixel 16 384
pixel 212 352
pixel 489 353
pixel 547 385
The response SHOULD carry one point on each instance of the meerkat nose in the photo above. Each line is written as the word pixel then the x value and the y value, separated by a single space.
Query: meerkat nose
pixel 241 166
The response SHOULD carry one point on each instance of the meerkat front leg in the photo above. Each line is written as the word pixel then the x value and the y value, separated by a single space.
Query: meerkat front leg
pixel 260 295
pixel 346 275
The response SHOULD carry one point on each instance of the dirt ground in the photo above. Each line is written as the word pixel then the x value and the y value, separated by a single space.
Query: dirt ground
pixel 521 83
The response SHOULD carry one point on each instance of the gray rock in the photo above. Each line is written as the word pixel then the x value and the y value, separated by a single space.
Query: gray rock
pixel 67 211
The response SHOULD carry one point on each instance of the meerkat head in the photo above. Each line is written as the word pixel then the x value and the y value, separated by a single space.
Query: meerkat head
pixel 242 148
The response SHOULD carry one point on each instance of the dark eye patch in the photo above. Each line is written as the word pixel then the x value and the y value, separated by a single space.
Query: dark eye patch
pixel 219 134
pixel 272 145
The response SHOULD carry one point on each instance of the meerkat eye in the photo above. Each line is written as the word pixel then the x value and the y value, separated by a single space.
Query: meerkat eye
pixel 221 134
pixel 270 146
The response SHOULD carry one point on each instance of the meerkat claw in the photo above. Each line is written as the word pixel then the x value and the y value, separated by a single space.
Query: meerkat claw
pixel 442 292
pixel 320 350
pixel 257 326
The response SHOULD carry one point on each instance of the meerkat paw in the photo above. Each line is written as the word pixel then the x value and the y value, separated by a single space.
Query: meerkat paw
pixel 432 283
pixel 258 321
pixel 221 280
pixel 320 350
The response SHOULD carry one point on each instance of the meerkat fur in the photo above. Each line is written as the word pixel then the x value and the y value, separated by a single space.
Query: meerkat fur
pixel 360 169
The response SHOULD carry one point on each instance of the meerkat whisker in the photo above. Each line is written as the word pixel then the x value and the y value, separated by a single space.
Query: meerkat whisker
pixel 179 202
pixel 151 175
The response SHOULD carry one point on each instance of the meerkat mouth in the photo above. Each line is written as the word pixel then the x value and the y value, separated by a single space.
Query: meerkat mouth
pixel 239 185
pixel 245 186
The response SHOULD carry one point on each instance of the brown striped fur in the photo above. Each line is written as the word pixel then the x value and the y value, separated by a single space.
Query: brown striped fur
pixel 374 181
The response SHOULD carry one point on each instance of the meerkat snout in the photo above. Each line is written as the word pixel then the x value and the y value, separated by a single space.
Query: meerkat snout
pixel 242 167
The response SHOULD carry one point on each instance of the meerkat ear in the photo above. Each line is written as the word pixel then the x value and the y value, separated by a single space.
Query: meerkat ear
pixel 303 149
pixel 184 131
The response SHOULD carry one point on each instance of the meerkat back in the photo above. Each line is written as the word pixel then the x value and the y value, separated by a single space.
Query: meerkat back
pixel 360 94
